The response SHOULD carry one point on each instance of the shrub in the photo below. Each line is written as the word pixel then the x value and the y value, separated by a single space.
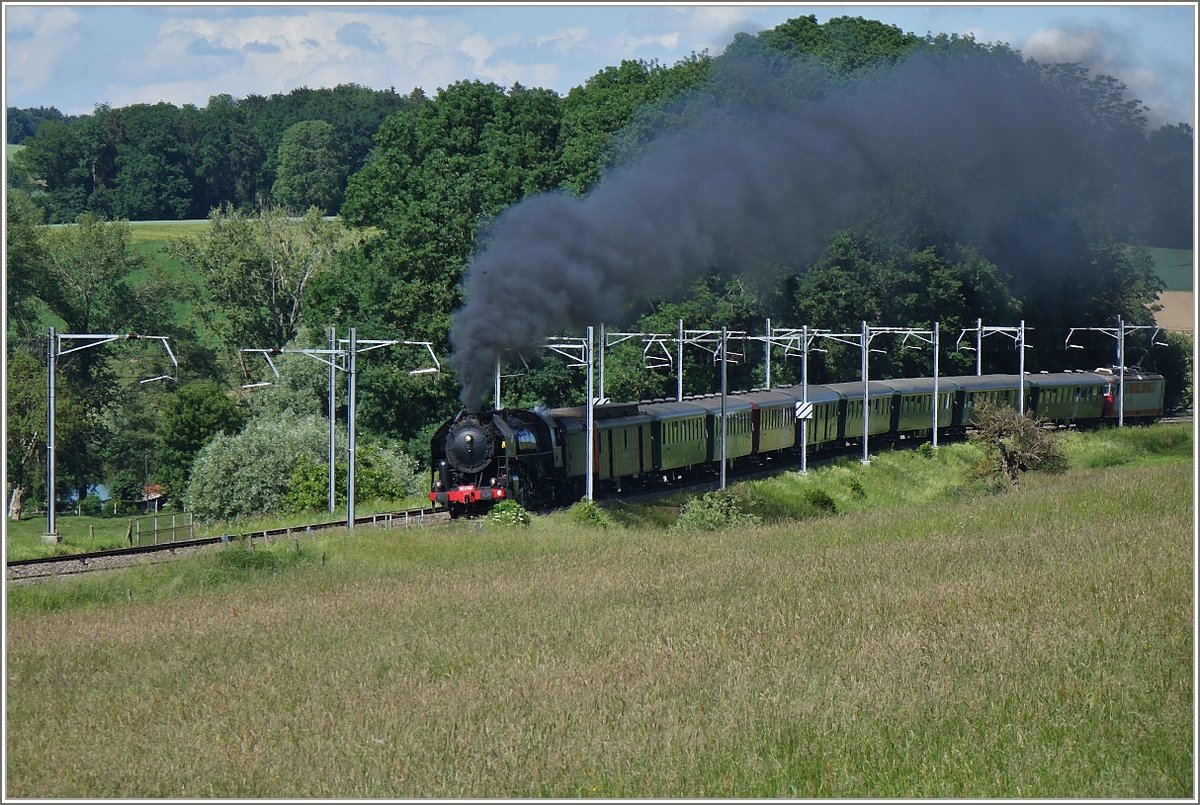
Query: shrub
pixel 281 465
pixel 384 472
pixel 509 513
pixel 250 472
pixel 308 487
pixel 586 512
pixel 1015 443
pixel 820 501
pixel 713 511
pixel 91 506
pixel 857 490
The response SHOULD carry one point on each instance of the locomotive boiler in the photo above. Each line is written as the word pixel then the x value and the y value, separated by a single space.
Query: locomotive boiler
pixel 480 458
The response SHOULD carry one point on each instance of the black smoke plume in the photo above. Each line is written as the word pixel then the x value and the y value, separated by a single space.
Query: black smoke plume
pixel 736 186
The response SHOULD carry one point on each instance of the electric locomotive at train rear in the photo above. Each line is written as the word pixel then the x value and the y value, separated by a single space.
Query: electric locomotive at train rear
pixel 480 458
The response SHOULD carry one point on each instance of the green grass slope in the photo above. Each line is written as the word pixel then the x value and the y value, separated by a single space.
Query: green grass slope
pixel 1035 644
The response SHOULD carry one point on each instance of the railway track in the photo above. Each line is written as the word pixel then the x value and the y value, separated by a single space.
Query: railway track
pixel 29 570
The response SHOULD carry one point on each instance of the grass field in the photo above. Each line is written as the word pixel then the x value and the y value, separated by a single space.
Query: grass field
pixel 1175 268
pixel 78 534
pixel 1036 644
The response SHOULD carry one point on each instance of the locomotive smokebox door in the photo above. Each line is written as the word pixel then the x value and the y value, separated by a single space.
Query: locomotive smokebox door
pixel 469 447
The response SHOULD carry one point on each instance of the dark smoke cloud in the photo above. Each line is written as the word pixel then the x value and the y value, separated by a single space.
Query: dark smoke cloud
pixel 734 188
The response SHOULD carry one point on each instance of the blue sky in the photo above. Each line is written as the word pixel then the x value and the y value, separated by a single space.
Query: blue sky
pixel 73 56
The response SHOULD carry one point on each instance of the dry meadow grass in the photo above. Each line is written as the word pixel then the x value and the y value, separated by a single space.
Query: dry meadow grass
pixel 1029 645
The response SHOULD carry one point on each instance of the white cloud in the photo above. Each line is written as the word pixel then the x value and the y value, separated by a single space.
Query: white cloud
pixel 194 56
pixel 37 40
pixel 1078 44
pixel 1106 50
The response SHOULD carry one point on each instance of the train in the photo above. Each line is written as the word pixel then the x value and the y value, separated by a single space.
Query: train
pixel 539 457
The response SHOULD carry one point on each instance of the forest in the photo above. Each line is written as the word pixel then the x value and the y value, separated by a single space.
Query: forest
pixel 1017 191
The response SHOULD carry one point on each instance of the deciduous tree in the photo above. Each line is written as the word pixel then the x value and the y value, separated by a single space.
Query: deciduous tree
pixel 312 169
pixel 256 269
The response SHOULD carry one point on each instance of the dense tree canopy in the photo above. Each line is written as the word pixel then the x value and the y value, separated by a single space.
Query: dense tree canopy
pixel 159 161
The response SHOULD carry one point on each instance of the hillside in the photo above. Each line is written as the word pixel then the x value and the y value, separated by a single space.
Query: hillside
pixel 1175 268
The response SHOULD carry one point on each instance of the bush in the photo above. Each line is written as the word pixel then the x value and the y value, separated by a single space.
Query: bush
pixel 281 465
pixel 820 501
pixel 509 513
pixel 91 506
pixel 586 512
pixel 1015 443
pixel 250 472
pixel 714 511
pixel 308 488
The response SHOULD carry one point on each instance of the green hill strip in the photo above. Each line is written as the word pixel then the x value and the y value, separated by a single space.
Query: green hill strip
pixel 1174 267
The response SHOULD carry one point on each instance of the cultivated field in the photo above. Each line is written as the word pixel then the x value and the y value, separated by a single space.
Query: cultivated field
pixel 1179 311
pixel 1176 269
pixel 1036 644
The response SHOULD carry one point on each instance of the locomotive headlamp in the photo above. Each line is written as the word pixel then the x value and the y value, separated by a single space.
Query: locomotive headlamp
pixel 468 438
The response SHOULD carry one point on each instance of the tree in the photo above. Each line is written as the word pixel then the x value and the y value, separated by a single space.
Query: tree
pixel 1169 217
pixel 54 158
pixel 154 169
pixel 24 123
pixel 257 268
pixel 228 156
pixel 190 417
pixel 26 264
pixel 846 44
pixel 25 427
pixel 312 170
pixel 594 113
pixel 89 266
pixel 1015 442
pixel 521 145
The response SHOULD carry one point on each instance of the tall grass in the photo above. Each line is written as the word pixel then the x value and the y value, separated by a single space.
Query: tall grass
pixel 1026 645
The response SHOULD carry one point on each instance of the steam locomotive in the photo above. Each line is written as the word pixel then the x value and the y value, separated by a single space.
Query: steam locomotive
pixel 539 457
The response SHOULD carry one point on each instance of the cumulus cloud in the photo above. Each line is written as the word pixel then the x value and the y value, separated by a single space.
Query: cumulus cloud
pixel 1107 50
pixel 194 56
pixel 359 35
pixel 37 40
